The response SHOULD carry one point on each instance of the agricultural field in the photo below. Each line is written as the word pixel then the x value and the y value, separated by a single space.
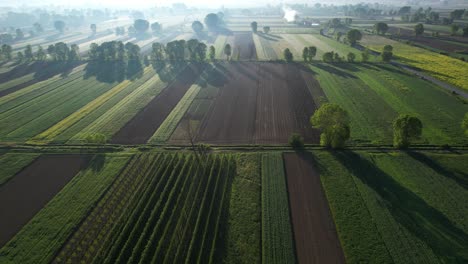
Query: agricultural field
pixel 442 67
pixel 140 153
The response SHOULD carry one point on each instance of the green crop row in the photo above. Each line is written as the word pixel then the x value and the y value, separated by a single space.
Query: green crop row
pixel 277 238
pixel 12 163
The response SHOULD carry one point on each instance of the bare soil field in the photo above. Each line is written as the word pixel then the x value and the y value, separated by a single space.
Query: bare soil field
pixel 314 229
pixel 260 103
pixel 143 125
pixel 244 47
pixel 32 188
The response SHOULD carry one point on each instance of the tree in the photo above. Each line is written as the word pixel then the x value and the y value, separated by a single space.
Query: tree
pixel 141 26
pixel 333 121
pixel 353 36
pixel 296 141
pixel 19 56
pixel 254 26
pixel 197 27
pixel 266 29
pixel 200 50
pixel 227 51
pixel 312 52
pixel 288 56
pixel 212 53
pixel 335 22
pixel 19 34
pixel 387 56
pixel 28 54
pixel 348 21
pixel 212 21
pixel 38 28
pixel 305 54
pixel 405 129
pixel 192 46
pixel 59 25
pixel 454 28
pixel 419 29
pixel 351 57
pixel 40 54
pixel 6 38
pixel 74 54
pixel 328 56
pixel 365 55
pixel 93 28
pixel 51 51
pixel 7 51
pixel 465 124
pixel 457 13
pixel 156 27
pixel 381 28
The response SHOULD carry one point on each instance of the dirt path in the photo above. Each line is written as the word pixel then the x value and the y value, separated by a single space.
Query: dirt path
pixel 314 229
pixel 32 188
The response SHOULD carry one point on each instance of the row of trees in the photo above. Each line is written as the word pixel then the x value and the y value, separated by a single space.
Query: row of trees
pixel 254 26
pixel 57 52
pixel 334 122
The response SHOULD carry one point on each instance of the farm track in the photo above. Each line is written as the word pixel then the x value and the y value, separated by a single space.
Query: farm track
pixel 314 229
pixel 143 125
pixel 32 188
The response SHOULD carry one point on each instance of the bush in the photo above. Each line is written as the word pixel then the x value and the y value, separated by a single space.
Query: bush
pixel 296 141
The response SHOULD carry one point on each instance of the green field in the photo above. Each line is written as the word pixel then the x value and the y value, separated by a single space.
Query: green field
pixel 385 208
pixel 388 92
pixel 12 163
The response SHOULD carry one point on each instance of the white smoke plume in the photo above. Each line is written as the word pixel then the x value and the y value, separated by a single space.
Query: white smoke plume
pixel 289 14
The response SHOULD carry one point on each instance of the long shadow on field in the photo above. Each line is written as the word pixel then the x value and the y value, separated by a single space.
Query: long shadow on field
pixel 97 162
pixel 461 179
pixel 212 75
pixel 334 70
pixel 425 222
pixel 268 37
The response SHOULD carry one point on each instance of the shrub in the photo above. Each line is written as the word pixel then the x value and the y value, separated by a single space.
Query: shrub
pixel 296 141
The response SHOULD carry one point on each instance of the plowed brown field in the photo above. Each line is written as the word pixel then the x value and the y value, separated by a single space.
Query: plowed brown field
pixel 314 229
pixel 260 103
pixel 32 188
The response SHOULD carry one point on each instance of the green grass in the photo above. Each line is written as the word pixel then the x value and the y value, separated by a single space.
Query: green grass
pixel 43 236
pixel 277 238
pixel 164 132
pixel 415 211
pixel 242 240
pixel 41 112
pixel 375 94
pixel 12 163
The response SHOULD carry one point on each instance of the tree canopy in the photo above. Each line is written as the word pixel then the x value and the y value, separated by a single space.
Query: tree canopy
pixel 288 56
pixel 141 26
pixel 254 26
pixel 156 27
pixel 381 28
pixel 419 29
pixel 212 21
pixel 353 36
pixel 405 129
pixel 59 25
pixel 334 123
pixel 197 26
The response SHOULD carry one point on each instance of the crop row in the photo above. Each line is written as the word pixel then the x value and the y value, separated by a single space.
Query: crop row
pixel 277 238
pixel 170 211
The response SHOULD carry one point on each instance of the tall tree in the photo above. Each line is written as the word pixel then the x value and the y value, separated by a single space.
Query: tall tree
pixel 212 53
pixel 7 51
pixel 59 25
pixel 288 56
pixel 201 51
pixel 351 57
pixel 197 27
pixel 93 28
pixel 38 28
pixel 51 51
pixel 254 26
pixel 266 29
pixel 227 51
pixel 212 21
pixel 28 53
pixel 333 121
pixel 312 52
pixel 305 54
pixel 40 54
pixel 141 26
pixel 419 29
pixel 156 28
pixel 381 28
pixel 353 36
pixel 454 28
pixel 405 129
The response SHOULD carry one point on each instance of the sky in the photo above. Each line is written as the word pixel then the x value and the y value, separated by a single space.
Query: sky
pixel 143 3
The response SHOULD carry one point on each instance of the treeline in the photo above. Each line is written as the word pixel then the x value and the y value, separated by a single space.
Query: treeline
pixel 55 52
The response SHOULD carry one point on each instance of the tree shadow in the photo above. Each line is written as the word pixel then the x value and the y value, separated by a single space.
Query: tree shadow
pixel 267 37
pixel 425 222
pixel 334 70
pixel 434 165
pixel 98 162
pixel 212 75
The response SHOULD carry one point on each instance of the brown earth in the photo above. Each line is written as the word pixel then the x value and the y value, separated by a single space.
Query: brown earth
pixel 244 47
pixel 314 230
pixel 143 125
pixel 260 103
pixel 32 188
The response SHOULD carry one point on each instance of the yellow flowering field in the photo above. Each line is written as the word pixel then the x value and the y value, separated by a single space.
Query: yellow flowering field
pixel 443 67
